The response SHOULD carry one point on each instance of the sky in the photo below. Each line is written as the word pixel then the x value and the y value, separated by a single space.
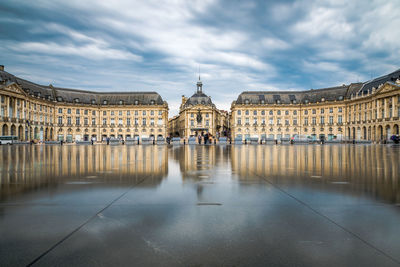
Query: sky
pixel 161 45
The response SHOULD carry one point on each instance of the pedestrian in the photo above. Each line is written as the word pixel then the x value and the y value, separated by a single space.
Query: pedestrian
pixel 199 137
pixel 108 140
pixel 92 139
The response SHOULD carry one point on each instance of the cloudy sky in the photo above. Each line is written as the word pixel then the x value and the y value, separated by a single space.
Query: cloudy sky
pixel 159 45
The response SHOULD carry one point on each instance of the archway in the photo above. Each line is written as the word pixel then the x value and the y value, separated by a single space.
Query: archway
pixel 51 134
pixel 20 133
pixel 374 133
pixel 388 132
pixel 4 130
pixel 354 133
pixel 46 133
pixel 13 130
pixel 365 133
pixel 36 133
pixel 396 129
pixel 348 133
pixel 369 133
pixel 380 132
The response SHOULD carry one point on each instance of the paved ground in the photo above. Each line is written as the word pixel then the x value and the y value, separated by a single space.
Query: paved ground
pixel 329 205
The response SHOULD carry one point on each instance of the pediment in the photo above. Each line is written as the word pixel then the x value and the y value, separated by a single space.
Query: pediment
pixel 14 88
pixel 387 87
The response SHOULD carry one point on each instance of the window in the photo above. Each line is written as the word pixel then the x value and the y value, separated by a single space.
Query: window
pixel 340 119
pixel 294 121
pixel 271 120
pixel 128 121
pixel 160 121
pixel 144 112
pixel 104 113
pixel 191 122
pixel 314 111
pixel 60 110
pixel 247 112
pixel 286 122
pixel 78 121
pixel 239 121
pixel 271 112
pixel 152 113
pixel 322 119
pixel 86 121
pixel 78 111
pixel 262 112
pixel 60 120
pixel 322 111
pixel 86 112
pixel 128 113
pixel 207 122
pixel 330 119
pixel 294 112
pixel 286 112
pixel 94 112
pixel 120 113
pixel 279 112
pixel 120 121
pixel 160 113
pixel 144 121
pixel 255 120
pixel 207 115
pixel 314 120
pixel 136 113
pixel 330 110
pixel 112 121
pixel 278 121
pixel 192 115
pixel 93 121
pixel 239 112
pixel 69 122
pixel 306 112
pixel 68 110
pixel 151 121
pixel 136 121
pixel 255 112
pixel 340 110
pixel 247 121
pixel 112 113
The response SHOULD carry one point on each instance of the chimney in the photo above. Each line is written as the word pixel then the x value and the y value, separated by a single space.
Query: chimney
pixel 1 67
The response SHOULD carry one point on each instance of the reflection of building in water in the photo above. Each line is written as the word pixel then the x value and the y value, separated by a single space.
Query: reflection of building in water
pixel 195 161
pixel 370 169
pixel 34 166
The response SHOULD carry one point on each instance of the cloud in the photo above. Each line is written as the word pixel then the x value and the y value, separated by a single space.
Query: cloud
pixel 153 45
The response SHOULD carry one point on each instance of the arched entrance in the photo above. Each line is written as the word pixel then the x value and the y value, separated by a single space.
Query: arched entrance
pixel 380 132
pixel 51 134
pixel 369 133
pixel 354 133
pixel 365 133
pixel 46 134
pixel 41 134
pixel 4 131
pixel 20 133
pixel 396 129
pixel 36 133
pixel 388 132
pixel 13 130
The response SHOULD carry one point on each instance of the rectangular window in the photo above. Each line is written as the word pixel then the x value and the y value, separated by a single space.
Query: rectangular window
pixel 322 111
pixel 314 120
pixel 255 121
pixel 136 121
pixel 136 112
pixel 86 121
pixel 120 121
pixel 151 121
pixel 191 122
pixel 94 112
pixel 322 120
pixel 340 119
pixel 152 113
pixel 278 121
pixel 340 110
pixel 68 110
pixel 271 121
pixel 207 115
pixel 78 121
pixel 60 119
pixel 86 112
pixel 128 121
pixel 239 121
pixel 263 112
pixel 69 120
pixel 239 112
pixel 330 119
pixel 144 121
pixel 60 110
pixel 128 113
pixel 112 113
pixel 160 121
pixel 93 121
pixel 207 123
pixel 104 113
pixel 294 121
pixel 286 122
pixel 160 113
pixel 144 112
pixel 112 121
pixel 120 113
pixel 305 112
pixel 78 111
pixel 330 110
pixel 104 121
pixel 247 121
pixel 255 112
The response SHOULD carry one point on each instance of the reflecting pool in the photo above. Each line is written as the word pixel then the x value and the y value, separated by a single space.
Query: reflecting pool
pixel 196 205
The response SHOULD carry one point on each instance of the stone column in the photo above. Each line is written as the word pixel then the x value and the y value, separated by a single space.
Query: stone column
pixel 394 106
pixel 385 108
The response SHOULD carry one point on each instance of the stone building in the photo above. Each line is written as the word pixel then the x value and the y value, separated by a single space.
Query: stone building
pixel 198 116
pixel 32 111
pixel 361 111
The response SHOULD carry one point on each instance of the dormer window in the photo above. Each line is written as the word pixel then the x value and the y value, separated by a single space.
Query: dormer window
pixel 76 100
pixel 104 102
pixel 93 101
pixel 152 102
pixel 246 101
pixel 203 102
pixel 121 102
pixel 306 101
pixel 136 102
pixel 262 101
pixel 278 101
pixel 59 99
pixel 341 97
pixel 323 99
pixel 294 101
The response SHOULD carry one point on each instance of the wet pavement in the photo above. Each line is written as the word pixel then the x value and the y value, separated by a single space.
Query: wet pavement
pixel 243 205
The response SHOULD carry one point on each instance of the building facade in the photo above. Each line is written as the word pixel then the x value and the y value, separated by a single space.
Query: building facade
pixel 32 111
pixel 198 116
pixel 359 111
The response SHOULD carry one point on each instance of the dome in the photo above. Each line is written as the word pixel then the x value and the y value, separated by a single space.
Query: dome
pixel 199 98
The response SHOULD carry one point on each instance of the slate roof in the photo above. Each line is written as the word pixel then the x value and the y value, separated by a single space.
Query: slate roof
pixel 199 98
pixel 367 86
pixel 82 96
